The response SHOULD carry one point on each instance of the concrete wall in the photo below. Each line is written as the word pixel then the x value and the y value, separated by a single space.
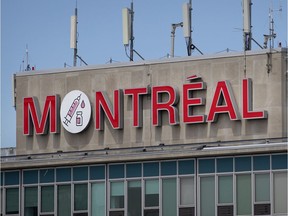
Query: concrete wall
pixel 269 93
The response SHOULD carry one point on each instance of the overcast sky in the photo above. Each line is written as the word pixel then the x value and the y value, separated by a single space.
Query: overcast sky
pixel 44 26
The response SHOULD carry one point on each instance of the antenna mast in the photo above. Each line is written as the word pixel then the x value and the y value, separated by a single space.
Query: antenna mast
pixel 132 36
pixel 272 35
pixel 247 35
pixel 173 29
pixel 127 29
pixel 73 36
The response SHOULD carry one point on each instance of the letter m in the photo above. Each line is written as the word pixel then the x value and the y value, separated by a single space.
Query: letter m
pixel 32 115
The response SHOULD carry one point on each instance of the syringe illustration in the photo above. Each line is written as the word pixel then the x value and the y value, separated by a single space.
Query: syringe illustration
pixel 72 110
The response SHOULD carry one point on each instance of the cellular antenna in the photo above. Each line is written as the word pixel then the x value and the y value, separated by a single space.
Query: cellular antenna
pixel 127 29
pixel 73 36
pixel 187 10
pixel 187 27
pixel 247 35
pixel 126 26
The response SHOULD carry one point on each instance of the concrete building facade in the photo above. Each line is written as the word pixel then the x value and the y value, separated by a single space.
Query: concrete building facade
pixel 186 136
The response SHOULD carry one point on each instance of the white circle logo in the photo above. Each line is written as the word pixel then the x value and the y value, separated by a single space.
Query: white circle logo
pixel 75 111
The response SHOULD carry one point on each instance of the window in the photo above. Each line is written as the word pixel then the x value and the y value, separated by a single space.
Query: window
pixel 280 192
pixel 186 191
pixel 185 167
pixel 47 199
pixel 151 169
pixel 116 171
pixel 12 200
pixel 169 197
pixel 151 197
pixel 64 200
pixel 1 200
pixel 11 178
pixel 168 168
pixel 47 175
pixel 206 166
pixel 152 193
pixel 80 173
pixel 207 196
pixel 30 177
pixel 98 199
pixel 262 194
pixel 225 195
pixel 134 198
pixel 243 194
pixel 80 197
pixel 63 174
pixel 133 170
pixel 117 195
pixel 31 201
pixel 262 187
pixel 242 164
pixel 97 172
pixel 225 189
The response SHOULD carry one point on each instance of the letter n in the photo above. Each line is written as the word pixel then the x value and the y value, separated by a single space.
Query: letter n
pixel 104 106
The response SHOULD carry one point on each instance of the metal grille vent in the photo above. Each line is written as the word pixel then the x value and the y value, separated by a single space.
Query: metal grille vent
pixel 188 211
pixel 225 210
pixel 80 214
pixel 116 213
pixel 151 212
pixel 262 209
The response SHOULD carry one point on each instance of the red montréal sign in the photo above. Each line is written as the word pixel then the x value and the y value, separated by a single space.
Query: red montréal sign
pixel 223 101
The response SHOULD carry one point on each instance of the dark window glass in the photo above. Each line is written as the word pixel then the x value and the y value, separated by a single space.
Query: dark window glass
pixel 97 172
pixel 186 167
pixel 80 197
pixel 116 171
pixel 168 168
pixel 64 200
pixel 261 162
pixel 31 201
pixel 47 198
pixel 206 166
pixel 47 175
pixel 80 173
pixel 279 161
pixel 242 164
pixel 134 198
pixel 225 165
pixel 12 178
pixel 133 170
pixel 1 178
pixel 63 174
pixel 12 200
pixel 30 177
pixel 151 169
